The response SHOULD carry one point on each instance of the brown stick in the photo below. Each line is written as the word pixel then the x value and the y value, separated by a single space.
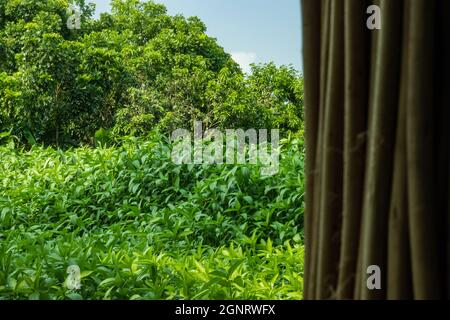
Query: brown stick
pixel 383 108
pixel 356 98
pixel 399 281
pixel 422 213
pixel 311 54
pixel 331 171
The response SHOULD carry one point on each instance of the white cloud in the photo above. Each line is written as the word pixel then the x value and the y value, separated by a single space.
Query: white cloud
pixel 244 59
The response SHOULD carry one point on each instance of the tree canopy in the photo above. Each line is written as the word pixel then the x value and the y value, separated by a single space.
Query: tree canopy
pixel 133 70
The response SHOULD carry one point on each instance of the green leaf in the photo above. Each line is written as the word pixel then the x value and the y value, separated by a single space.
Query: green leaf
pixel 74 296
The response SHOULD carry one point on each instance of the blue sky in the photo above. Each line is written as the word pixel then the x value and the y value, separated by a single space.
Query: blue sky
pixel 251 30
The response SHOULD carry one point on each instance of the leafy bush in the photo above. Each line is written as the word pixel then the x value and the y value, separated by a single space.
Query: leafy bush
pixel 141 227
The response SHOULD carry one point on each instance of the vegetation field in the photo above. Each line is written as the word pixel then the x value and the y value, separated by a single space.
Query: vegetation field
pixel 86 177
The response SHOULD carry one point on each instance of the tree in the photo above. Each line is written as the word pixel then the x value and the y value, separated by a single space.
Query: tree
pixel 280 89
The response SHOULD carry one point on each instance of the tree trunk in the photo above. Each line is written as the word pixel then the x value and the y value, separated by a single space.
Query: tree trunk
pixel 377 140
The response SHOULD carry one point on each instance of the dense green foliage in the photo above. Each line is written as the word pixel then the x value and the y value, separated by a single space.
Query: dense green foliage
pixel 141 227
pixel 86 176
pixel 129 72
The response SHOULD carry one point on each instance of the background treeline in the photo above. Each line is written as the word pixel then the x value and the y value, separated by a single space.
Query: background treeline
pixel 141 227
pixel 127 73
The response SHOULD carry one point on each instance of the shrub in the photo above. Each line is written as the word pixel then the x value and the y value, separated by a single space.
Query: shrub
pixel 141 227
